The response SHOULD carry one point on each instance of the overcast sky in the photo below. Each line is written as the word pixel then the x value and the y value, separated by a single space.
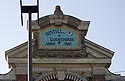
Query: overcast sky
pixel 107 27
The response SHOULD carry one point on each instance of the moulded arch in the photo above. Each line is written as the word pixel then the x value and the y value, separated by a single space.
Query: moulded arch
pixel 53 76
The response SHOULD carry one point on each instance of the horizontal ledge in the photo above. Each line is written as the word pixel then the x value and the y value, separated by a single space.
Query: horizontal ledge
pixel 59 60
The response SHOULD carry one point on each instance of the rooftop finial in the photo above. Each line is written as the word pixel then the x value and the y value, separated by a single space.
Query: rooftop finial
pixel 58 11
pixel 57 7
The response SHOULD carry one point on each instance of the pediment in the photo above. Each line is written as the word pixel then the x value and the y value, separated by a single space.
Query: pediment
pixel 92 49
pixel 96 51
pixel 19 51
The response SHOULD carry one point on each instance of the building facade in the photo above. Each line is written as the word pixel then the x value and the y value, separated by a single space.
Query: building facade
pixel 60 53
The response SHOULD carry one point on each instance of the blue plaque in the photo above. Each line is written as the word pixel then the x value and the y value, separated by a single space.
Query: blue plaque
pixel 59 38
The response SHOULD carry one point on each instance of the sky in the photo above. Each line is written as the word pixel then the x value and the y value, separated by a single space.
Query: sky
pixel 107 26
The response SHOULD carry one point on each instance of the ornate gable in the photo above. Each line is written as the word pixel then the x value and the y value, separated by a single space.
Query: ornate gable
pixel 60 36
pixel 60 51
